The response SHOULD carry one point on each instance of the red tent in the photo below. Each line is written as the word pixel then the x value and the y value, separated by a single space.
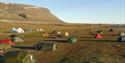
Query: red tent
pixel 7 41
pixel 98 36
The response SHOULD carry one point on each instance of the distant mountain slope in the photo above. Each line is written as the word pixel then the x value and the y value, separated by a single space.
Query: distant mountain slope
pixel 21 12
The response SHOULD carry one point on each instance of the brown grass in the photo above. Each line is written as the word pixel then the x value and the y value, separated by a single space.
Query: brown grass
pixel 86 50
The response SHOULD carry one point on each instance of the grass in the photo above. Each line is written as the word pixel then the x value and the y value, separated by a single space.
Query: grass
pixel 86 50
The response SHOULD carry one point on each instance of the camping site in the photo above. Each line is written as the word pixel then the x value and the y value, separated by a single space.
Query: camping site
pixel 86 49
pixel 31 34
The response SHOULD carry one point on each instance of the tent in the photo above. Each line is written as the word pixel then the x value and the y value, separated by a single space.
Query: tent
pixel 7 41
pixel 100 32
pixel 19 56
pixel 111 30
pixel 28 30
pixel 66 34
pixel 16 38
pixel 46 46
pixel 20 30
pixel 58 32
pixel 98 36
pixel 39 29
pixel 45 35
pixel 121 39
pixel 13 30
pixel 121 34
pixel 72 40
pixel 6 44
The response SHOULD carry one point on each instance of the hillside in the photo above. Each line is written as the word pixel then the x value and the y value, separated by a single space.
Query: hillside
pixel 22 12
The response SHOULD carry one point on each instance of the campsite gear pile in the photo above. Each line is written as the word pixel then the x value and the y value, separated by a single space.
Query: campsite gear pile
pixel 56 34
pixel 121 37
pixel 45 35
pixel 100 32
pixel 17 30
pixel 17 57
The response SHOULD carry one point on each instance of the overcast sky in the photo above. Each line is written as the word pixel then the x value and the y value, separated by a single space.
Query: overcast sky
pixel 82 11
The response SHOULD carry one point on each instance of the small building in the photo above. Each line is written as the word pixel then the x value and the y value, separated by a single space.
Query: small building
pixel 46 46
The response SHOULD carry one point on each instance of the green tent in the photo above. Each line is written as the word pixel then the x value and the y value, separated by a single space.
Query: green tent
pixel 72 40
pixel 17 57
pixel 46 46
pixel 16 38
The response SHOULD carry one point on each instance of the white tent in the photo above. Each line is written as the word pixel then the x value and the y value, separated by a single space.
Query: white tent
pixel 13 30
pixel 39 29
pixel 20 30
pixel 18 39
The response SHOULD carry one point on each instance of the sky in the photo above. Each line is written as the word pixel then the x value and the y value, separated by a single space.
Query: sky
pixel 82 11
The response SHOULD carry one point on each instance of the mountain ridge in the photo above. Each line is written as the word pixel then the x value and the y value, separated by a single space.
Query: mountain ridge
pixel 24 12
